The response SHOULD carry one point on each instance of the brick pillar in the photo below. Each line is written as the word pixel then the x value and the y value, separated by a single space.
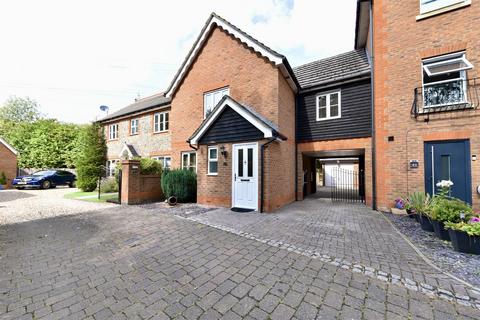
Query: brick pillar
pixel 130 181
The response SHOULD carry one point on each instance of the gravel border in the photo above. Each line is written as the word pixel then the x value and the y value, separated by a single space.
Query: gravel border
pixel 441 253
pixel 184 210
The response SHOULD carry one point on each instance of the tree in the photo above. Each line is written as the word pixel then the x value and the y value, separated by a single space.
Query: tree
pixel 91 158
pixel 18 110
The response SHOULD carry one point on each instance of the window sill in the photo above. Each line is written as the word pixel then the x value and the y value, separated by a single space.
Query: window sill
pixel 111 140
pixel 134 134
pixel 443 10
pixel 160 132
pixel 212 174
pixel 324 119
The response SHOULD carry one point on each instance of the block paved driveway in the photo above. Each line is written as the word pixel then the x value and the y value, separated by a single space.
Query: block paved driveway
pixel 142 263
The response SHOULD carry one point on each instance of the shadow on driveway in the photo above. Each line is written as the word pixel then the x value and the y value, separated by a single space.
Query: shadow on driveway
pixel 11 195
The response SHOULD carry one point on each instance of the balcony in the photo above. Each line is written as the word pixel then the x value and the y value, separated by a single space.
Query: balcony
pixel 445 96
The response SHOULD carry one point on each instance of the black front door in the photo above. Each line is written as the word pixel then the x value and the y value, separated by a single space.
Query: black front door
pixel 449 160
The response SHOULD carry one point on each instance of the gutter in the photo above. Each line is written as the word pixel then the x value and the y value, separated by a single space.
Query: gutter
pixel 262 167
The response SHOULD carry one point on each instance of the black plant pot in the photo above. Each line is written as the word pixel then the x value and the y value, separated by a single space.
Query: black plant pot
pixel 425 223
pixel 440 230
pixel 462 242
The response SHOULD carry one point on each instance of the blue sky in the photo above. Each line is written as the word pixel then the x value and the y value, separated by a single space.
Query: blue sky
pixel 73 56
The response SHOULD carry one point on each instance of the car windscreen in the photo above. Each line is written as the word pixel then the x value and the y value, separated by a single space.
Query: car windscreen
pixel 43 173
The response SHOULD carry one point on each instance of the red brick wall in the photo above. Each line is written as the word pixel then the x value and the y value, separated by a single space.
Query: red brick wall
pixel 8 164
pixel 400 42
pixel 254 81
pixel 137 188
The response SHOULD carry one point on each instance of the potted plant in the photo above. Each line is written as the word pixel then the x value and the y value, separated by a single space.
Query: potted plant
pixel 3 181
pixel 465 236
pixel 420 202
pixel 399 208
pixel 445 210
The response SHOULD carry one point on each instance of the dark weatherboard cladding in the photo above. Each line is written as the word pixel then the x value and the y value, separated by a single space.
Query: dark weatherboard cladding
pixel 356 113
pixel 230 127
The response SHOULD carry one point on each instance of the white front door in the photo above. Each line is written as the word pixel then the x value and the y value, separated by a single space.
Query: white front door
pixel 245 176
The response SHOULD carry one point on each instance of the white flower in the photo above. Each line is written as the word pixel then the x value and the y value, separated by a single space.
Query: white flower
pixel 445 184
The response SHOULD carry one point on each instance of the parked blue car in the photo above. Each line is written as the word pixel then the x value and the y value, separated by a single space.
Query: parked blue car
pixel 45 179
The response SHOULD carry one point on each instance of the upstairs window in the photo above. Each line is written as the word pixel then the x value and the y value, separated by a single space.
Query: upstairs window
pixel 189 161
pixel 445 80
pixel 328 106
pixel 134 126
pixel 431 5
pixel 113 131
pixel 166 161
pixel 160 122
pixel 212 98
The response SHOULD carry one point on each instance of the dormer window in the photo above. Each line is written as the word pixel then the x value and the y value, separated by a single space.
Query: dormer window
pixel 212 98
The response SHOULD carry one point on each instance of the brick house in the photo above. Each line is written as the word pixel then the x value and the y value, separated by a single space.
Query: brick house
pixel 424 56
pixel 257 132
pixel 8 161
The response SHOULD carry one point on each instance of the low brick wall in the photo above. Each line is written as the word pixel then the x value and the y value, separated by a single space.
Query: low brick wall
pixel 138 188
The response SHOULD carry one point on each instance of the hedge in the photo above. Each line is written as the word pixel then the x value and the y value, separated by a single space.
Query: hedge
pixel 181 184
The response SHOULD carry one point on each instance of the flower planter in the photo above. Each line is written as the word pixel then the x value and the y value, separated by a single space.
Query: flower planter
pixel 425 223
pixel 462 242
pixel 440 230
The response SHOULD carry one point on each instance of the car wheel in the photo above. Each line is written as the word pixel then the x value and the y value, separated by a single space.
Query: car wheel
pixel 19 188
pixel 46 184
pixel 71 184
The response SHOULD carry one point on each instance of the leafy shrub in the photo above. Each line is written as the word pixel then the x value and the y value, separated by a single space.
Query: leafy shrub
pixel 449 210
pixel 91 157
pixel 150 166
pixel 471 228
pixel 109 185
pixel 3 178
pixel 181 184
pixel 420 202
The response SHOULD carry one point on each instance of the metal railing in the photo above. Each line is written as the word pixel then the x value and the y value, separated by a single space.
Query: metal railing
pixel 347 185
pixel 451 95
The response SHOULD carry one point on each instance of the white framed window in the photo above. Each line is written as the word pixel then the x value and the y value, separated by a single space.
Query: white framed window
pixel 212 161
pixel 212 98
pixel 166 161
pixel 189 161
pixel 110 167
pixel 445 80
pixel 113 131
pixel 432 5
pixel 134 126
pixel 160 122
pixel 329 106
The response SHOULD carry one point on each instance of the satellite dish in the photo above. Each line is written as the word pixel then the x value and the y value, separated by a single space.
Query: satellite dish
pixel 104 108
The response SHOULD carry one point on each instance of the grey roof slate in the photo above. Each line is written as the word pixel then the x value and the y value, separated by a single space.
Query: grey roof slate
pixel 132 150
pixel 340 67
pixel 139 106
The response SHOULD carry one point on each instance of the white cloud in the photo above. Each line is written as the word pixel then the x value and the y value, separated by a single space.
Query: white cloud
pixel 73 56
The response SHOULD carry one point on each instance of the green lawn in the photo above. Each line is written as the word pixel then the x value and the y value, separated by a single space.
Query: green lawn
pixel 91 196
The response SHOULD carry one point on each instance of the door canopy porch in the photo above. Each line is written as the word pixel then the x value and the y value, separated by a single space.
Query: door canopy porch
pixel 231 121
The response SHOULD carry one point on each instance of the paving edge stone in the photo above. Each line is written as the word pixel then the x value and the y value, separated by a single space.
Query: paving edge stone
pixel 355 267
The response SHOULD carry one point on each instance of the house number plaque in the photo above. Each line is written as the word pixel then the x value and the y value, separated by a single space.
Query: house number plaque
pixel 414 164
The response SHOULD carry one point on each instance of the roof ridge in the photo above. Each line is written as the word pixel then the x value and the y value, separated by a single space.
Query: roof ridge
pixel 328 58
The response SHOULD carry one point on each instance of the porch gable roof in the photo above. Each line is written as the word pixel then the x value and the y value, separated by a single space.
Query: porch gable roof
pixel 268 129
